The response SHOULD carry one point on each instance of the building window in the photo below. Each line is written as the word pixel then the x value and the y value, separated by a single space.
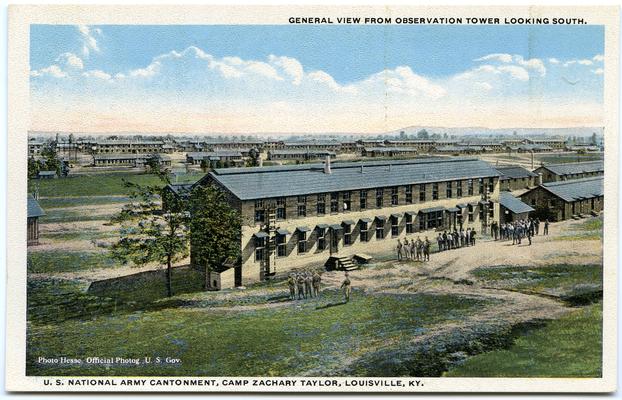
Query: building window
pixel 334 202
pixel 379 197
pixel 347 201
pixel 380 229
pixel 280 208
pixel 471 219
pixel 347 235
pixel 302 242
pixel 260 247
pixel 481 185
pixel 281 245
pixel 321 204
pixel 395 228
pixel 491 209
pixel 321 238
pixel 394 196
pixel 302 206
pixel 435 219
pixel 409 194
pixel 409 223
pixel 422 222
pixel 470 187
pixel 364 232
pixel 363 199
pixel 260 212
pixel 435 191
pixel 449 190
pixel 422 192
pixel 459 189
pixel 491 185
pixel 481 212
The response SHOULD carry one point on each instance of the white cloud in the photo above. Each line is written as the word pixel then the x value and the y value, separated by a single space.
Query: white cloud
pixel 501 57
pixel 519 73
pixel 291 67
pixel 553 61
pixel 533 63
pixel 598 71
pixel 53 71
pixel 89 43
pixel 99 74
pixel 585 62
pixel 598 58
pixel 70 60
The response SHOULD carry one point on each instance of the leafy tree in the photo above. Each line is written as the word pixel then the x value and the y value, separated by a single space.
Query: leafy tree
pixel 149 234
pixel 155 166
pixel 204 165
pixel 594 140
pixel 214 229
pixel 34 167
pixel 253 158
pixel 423 134
pixel 51 162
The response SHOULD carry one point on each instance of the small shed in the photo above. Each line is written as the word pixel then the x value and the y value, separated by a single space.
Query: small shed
pixel 34 212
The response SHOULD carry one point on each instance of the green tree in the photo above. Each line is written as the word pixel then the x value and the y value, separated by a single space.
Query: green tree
pixel 215 229
pixel 423 134
pixel 204 165
pixel 51 162
pixel 253 158
pixel 150 234
pixel 34 167
pixel 155 166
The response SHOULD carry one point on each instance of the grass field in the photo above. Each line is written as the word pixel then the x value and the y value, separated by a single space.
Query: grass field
pixel 67 261
pixel 98 184
pixel 313 336
pixel 567 347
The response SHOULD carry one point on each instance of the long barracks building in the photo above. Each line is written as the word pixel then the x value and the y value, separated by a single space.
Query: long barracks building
pixel 305 214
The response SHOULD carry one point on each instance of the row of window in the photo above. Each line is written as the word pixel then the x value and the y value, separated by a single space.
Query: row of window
pixel 456 187
pixel 430 220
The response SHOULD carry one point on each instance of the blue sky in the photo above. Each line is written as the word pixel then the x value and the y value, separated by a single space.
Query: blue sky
pixel 429 60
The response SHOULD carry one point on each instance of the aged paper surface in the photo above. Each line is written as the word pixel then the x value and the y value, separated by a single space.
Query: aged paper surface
pixel 319 199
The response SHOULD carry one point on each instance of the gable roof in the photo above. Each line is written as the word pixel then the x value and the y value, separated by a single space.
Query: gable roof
pixel 514 172
pixel 576 168
pixel 293 180
pixel 34 209
pixel 507 200
pixel 575 189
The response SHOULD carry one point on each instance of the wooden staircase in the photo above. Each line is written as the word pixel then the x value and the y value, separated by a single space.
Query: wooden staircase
pixel 342 263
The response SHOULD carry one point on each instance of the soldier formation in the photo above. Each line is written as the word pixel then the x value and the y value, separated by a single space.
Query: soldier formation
pixel 416 250
pixel 519 230
pixel 303 285
pixel 449 240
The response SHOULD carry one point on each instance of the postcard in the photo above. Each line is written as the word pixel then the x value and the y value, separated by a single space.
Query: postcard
pixel 312 199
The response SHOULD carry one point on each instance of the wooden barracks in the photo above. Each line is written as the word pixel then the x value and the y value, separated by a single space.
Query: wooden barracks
pixel 298 215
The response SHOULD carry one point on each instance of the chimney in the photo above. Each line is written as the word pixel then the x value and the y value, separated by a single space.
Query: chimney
pixel 327 165
pixel 539 178
pixel 260 161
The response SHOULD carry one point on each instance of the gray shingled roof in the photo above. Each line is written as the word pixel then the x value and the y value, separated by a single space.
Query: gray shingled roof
pixel 514 172
pixel 507 200
pixel 34 209
pixel 280 181
pixel 576 168
pixel 577 189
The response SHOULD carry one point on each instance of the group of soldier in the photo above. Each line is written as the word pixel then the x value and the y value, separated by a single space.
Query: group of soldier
pixel 305 284
pixel 417 250
pixel 456 239
pixel 519 230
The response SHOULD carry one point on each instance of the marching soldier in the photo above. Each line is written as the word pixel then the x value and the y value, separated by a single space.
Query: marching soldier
pixel 426 249
pixel 399 250
pixel 419 249
pixel 346 286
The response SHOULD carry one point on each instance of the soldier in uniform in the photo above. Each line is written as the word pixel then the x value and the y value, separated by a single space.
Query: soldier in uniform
pixel 308 284
pixel 439 240
pixel 406 249
pixel 300 283
pixel 426 249
pixel 399 249
pixel 346 286
pixel 418 249
pixel 473 237
pixel 316 284
pixel 467 237
pixel 546 226
pixel 291 283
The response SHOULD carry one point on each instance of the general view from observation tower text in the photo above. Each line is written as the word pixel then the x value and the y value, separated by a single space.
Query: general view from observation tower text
pixel 315 200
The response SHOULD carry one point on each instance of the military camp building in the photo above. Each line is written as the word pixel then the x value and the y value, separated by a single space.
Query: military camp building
pixel 299 215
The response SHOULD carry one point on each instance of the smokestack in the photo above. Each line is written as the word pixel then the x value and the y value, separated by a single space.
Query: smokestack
pixel 260 161
pixel 539 178
pixel 327 165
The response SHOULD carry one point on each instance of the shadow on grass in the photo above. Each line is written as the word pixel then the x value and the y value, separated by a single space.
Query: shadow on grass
pixel 341 303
